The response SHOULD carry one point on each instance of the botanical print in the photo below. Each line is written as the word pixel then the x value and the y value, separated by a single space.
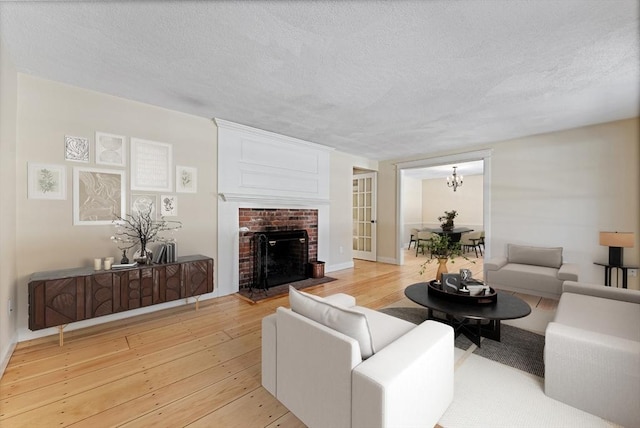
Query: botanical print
pixel 76 149
pixel 110 149
pixel 169 205
pixel 186 179
pixel 98 195
pixel 144 204
pixel 47 181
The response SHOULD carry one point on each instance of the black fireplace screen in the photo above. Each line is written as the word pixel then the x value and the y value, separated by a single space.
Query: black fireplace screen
pixel 280 257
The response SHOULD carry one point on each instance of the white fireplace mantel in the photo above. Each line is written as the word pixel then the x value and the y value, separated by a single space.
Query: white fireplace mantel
pixel 259 169
pixel 268 199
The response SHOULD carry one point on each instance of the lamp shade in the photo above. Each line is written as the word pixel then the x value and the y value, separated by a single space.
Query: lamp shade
pixel 617 239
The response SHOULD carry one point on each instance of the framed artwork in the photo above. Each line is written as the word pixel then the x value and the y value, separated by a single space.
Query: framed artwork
pixel 111 149
pixel 46 181
pixel 168 205
pixel 144 203
pixel 76 149
pixel 186 179
pixel 98 195
pixel 151 165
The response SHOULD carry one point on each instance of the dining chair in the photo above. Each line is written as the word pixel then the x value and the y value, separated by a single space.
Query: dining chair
pixel 413 238
pixel 471 240
pixel 424 237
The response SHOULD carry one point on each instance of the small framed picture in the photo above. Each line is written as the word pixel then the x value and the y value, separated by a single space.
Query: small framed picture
pixel 46 181
pixel 145 204
pixel 111 149
pixel 186 179
pixel 168 205
pixel 451 282
pixel 76 149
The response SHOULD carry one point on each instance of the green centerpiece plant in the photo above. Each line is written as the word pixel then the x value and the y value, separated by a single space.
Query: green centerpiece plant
pixel 446 220
pixel 443 250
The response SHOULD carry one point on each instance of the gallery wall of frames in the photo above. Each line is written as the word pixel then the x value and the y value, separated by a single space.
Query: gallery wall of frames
pixel 101 188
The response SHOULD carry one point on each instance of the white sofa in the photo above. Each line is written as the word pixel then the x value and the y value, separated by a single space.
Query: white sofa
pixel 378 371
pixel 592 352
pixel 539 271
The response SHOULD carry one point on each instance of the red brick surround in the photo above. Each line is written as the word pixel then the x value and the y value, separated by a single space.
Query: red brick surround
pixel 272 220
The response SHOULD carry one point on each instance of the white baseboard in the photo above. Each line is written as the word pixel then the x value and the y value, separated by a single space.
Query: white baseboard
pixel 7 353
pixel 340 266
pixel 390 260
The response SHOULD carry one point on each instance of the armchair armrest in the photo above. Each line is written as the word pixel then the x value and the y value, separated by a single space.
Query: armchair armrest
pixel 395 387
pixel 495 263
pixel 568 272
pixel 341 299
pixel 623 294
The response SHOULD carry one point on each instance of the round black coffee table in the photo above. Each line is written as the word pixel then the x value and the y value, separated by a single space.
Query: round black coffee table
pixel 472 320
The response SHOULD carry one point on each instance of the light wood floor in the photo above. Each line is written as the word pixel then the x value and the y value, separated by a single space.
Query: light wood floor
pixel 179 366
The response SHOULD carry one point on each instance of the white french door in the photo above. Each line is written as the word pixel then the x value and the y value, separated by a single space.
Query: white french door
pixel 364 216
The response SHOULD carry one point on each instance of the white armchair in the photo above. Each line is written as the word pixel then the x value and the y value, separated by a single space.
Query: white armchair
pixel 324 378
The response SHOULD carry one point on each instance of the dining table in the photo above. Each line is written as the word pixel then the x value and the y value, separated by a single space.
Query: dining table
pixel 454 234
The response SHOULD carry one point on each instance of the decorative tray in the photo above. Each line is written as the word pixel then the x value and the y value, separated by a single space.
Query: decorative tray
pixel 435 289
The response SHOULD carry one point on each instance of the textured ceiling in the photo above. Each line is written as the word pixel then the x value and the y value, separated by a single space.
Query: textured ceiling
pixel 382 79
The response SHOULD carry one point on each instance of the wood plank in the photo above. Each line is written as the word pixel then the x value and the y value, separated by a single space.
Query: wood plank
pixel 152 401
pixel 13 405
pixel 24 369
pixel 288 420
pixel 197 405
pixel 255 409
pixel 104 392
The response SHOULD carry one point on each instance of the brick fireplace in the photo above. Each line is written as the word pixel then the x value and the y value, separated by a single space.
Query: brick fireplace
pixel 272 220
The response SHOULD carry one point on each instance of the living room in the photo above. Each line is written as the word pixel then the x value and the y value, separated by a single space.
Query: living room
pixel 556 188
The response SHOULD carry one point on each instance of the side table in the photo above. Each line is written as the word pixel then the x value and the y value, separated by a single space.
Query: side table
pixel 607 273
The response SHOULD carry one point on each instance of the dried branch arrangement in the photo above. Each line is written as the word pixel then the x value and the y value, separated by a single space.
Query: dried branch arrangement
pixel 141 228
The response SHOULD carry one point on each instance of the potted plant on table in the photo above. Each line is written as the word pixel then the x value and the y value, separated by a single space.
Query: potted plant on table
pixel 443 250
pixel 446 220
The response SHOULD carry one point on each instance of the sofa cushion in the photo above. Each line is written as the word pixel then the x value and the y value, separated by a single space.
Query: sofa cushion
pixel 537 256
pixel 528 277
pixel 346 321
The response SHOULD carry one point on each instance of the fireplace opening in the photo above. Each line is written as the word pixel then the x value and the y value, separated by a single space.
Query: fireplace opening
pixel 280 257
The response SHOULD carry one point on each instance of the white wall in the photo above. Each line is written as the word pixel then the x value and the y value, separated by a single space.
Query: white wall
pixel 8 135
pixel 466 200
pixel 46 237
pixel 413 206
pixel 561 189
pixel 556 189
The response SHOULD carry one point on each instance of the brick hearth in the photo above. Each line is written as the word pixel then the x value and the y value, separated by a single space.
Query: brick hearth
pixel 272 220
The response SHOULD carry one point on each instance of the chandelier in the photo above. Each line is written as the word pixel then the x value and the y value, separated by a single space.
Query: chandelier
pixel 455 181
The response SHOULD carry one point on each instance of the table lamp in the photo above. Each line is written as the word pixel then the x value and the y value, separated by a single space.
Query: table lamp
pixel 616 241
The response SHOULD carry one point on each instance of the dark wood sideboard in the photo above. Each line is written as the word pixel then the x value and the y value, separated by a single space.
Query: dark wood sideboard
pixel 57 298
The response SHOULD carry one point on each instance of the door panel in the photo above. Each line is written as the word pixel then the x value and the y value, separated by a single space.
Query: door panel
pixel 364 216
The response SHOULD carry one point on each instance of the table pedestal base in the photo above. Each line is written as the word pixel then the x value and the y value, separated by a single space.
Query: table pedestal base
pixel 472 329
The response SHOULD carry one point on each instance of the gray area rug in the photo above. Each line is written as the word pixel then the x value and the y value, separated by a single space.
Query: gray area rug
pixel 518 348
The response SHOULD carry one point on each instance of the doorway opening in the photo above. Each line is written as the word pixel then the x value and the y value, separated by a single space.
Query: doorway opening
pixel 429 178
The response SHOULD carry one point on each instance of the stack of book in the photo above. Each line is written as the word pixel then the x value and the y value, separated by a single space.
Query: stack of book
pixel 166 253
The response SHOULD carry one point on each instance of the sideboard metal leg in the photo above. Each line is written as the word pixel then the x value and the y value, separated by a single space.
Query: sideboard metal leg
pixel 61 334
